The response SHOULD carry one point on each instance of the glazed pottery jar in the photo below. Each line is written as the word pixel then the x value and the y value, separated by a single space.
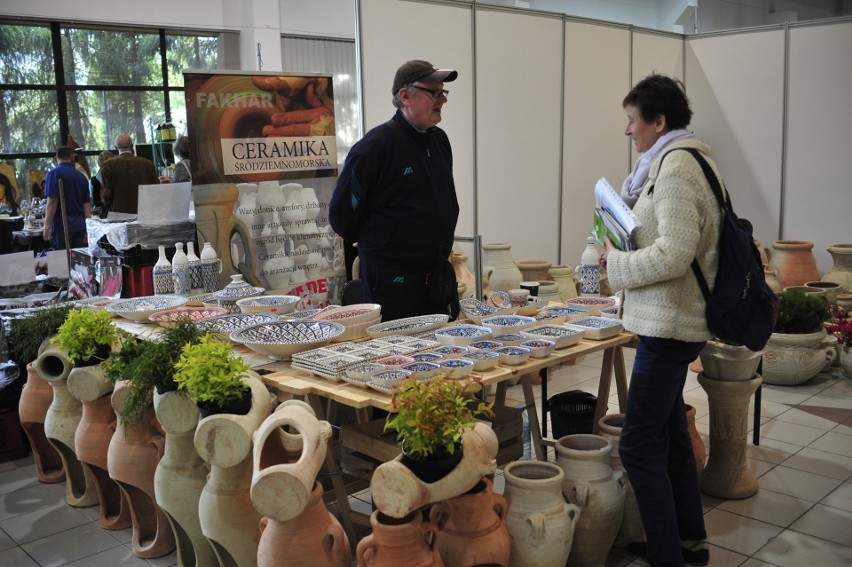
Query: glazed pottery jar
pixel 395 542
pixel 498 267
pixel 631 524
pixel 540 523
pixel 162 274
pixel 591 484
pixel 793 262
pixel 841 272
pixel 36 396
pixel 180 271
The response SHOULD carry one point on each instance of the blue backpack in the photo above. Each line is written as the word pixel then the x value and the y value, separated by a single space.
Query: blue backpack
pixel 742 308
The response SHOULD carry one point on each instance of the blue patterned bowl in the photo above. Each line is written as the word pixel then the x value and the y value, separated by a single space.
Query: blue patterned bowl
pixel 280 339
pixel 462 335
pixel 140 308
pixel 456 368
pixel 483 360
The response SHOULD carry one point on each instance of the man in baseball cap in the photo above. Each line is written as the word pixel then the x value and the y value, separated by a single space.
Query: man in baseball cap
pixel 423 71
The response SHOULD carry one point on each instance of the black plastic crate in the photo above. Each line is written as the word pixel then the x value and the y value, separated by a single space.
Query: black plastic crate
pixel 572 412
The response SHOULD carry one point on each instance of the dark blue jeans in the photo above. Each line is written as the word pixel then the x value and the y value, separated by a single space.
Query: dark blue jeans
pixel 656 451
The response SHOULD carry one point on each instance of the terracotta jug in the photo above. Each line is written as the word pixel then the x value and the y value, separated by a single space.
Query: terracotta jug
pixel 771 277
pixel 463 274
pixel 134 452
pixel 395 542
pixel 36 396
pixel 540 523
pixel 591 484
pixel 314 538
pixel 698 447
pixel 794 262
pixel 534 270
pixel 564 278
pixel 472 528
pixel 841 272
pixel 498 267
pixel 91 442
pixel 631 528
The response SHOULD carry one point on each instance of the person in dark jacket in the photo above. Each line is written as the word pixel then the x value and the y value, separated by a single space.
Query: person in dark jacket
pixel 122 176
pixel 396 200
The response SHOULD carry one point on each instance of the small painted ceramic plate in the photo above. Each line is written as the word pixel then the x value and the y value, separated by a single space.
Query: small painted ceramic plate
pixel 281 339
pixel 140 308
pixel 395 360
pixel 408 326
pixel 350 314
pixel 486 345
pixel 278 304
pixel 597 328
pixel 224 325
pixel 96 303
pixel 364 371
pixel 462 335
pixel 169 317
pixel 592 303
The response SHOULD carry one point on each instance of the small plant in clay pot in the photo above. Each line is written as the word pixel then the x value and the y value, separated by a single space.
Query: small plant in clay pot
pixel 212 375
pixel 800 313
pixel 87 335
pixel 28 333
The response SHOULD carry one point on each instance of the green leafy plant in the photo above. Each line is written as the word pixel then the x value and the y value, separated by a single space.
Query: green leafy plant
pixel 148 364
pixel 800 312
pixel 27 334
pixel 210 373
pixel 85 333
pixel 431 415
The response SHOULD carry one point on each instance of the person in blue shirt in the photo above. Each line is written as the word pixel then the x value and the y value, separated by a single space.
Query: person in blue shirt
pixel 78 204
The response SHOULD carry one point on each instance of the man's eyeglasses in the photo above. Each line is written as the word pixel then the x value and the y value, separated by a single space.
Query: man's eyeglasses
pixel 435 93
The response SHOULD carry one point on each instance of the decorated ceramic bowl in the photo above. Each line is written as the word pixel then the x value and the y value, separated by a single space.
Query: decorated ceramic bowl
pixel 456 368
pixel 224 325
pixel 592 303
pixel 350 314
pixel 500 299
pixel 486 345
pixel 169 317
pixel 427 357
pixel 539 348
pixel 502 324
pixel 278 304
pixel 560 334
pixel 597 328
pixel 483 360
pixel 475 310
pixel 451 351
pixel 140 308
pixel 421 370
pixel 462 335
pixel 364 371
pixel 610 312
pixel 568 312
pixel 305 314
pixel 203 300
pixel 280 339
pixel 513 355
pixel 395 360
pixel 408 325
pixel 390 378
pixel 509 339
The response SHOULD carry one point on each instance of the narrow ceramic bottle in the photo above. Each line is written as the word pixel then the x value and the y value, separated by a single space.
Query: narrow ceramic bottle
pixel 162 274
pixel 590 275
pixel 196 285
pixel 180 271
pixel 210 268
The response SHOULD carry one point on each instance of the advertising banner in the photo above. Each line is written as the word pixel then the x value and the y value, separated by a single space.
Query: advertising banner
pixel 264 164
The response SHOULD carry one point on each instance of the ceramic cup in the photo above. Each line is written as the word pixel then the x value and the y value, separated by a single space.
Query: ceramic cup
pixel 532 287
pixel 518 297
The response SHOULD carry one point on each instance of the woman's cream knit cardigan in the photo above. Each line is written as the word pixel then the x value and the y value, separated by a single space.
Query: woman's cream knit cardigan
pixel 680 221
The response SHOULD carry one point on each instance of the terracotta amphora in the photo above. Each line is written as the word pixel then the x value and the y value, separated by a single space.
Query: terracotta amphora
pixel 631 528
pixel 793 262
pixel 394 542
pixel 134 452
pixel 91 442
pixel 36 396
pixel 463 274
pixel 314 538
pixel 472 528
pixel 540 523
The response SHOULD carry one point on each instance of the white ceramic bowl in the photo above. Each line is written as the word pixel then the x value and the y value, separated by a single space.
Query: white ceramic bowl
pixel 277 304
pixel 421 370
pixel 509 339
pixel 560 334
pixel 475 310
pixel 486 345
pixel 395 360
pixel 224 325
pixel 503 324
pixel 357 330
pixel 281 339
pixel 451 351
pixel 483 360
pixel 427 357
pixel 140 308
pixel 597 328
pixel 169 317
pixel 365 370
pixel 568 312
pixel 350 314
pixel 391 377
pixel 456 368
pixel 539 348
pixel 592 303
pixel 513 355
pixel 462 335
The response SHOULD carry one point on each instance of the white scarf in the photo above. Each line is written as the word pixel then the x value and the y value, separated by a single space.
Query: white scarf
pixel 633 184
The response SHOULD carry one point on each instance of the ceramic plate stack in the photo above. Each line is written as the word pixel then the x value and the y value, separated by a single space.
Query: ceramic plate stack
pixel 408 326
pixel 139 308
pixel 356 318
pixel 597 328
pixel 281 339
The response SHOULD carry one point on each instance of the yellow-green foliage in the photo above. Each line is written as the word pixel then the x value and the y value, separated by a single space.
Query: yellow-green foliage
pixel 84 332
pixel 210 373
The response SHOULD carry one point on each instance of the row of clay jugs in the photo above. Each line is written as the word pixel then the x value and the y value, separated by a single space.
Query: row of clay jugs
pixel 472 528
pixel 499 268
pixel 92 439
pixel 36 396
pixel 591 484
pixel 539 521
pixel 841 272
pixel 180 477
pixel 60 425
pixel 793 262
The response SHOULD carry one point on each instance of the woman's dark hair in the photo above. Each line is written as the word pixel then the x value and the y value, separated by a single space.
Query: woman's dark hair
pixel 181 147
pixel 657 94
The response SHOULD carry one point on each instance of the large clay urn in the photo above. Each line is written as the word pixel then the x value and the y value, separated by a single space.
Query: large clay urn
pixel 395 542
pixel 841 272
pixel 463 274
pixel 791 359
pixel 540 523
pixel 60 425
pixel 591 484
pixel 134 452
pixel 631 524
pixel 727 474
pixel 498 267
pixel 564 278
pixel 91 442
pixel 472 528
pixel 793 262
pixel 534 270
pixel 180 478
pixel 36 396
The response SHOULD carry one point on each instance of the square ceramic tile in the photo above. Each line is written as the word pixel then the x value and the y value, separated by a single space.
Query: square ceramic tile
pixel 839 389
pixel 16 479
pixel 844 428
pixel 6 542
pixel 771 450
pixel 768 408
pixel 793 549
pixel 828 523
pixel 759 468
pixel 840 498
pixel 169 560
pixel 823 401
pixel 783 395
pixel 833 442
pixel 738 533
pixel 41 523
pixel 16 557
pixel 121 556
pixel 70 545
pixel 800 417
pixel 721 557
pixel 26 500
pixel 822 463
pixel 805 485
pixel 752 562
pixel 770 507
pixel 790 432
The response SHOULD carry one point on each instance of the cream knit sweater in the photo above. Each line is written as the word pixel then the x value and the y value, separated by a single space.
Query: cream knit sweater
pixel 680 221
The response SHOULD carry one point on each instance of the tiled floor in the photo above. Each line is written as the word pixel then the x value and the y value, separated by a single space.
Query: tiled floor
pixel 801 516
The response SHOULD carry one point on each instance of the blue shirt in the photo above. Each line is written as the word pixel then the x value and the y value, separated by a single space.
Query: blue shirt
pixel 76 189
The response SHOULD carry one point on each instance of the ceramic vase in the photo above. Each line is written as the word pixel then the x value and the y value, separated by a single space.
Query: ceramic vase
pixel 60 425
pixel 793 262
pixel 180 477
pixel 36 397
pixel 196 285
pixel 395 542
pixel 841 272
pixel 534 270
pixel 540 523
pixel 314 538
pixel 564 278
pixel 224 441
pixel 498 267
pixel 472 528
pixel 91 442
pixel 180 271
pixel 134 452
pixel 162 274
pixel 829 288
pixel 791 359
pixel 698 448
pixel 721 361
pixel 631 528
pixel 463 274
pixel 771 277
pixel 727 474
pixel 548 290
pixel 591 484
pixel 210 268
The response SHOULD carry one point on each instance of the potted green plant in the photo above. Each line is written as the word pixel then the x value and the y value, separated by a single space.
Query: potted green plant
pixel 87 335
pixel 28 333
pixel 212 375
pixel 795 352
pixel 429 417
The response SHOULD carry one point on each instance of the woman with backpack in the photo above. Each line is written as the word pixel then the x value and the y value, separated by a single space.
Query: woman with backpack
pixel 663 304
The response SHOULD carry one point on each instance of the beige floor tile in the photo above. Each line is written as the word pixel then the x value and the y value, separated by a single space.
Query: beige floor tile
pixel 721 557
pixel 768 408
pixel 828 523
pixel 70 545
pixel 800 417
pixel 843 428
pixel 770 507
pixel 16 557
pixel 794 549
pixel 833 442
pixel 771 450
pixel 822 463
pixel 801 435
pixel 805 485
pixel 783 394
pixel 738 533
pixel 752 562
pixel 839 389
pixel 824 401
pixel 759 468
pixel 840 498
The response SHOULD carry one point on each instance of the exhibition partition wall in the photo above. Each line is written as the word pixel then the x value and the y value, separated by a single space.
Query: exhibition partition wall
pixel 535 116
